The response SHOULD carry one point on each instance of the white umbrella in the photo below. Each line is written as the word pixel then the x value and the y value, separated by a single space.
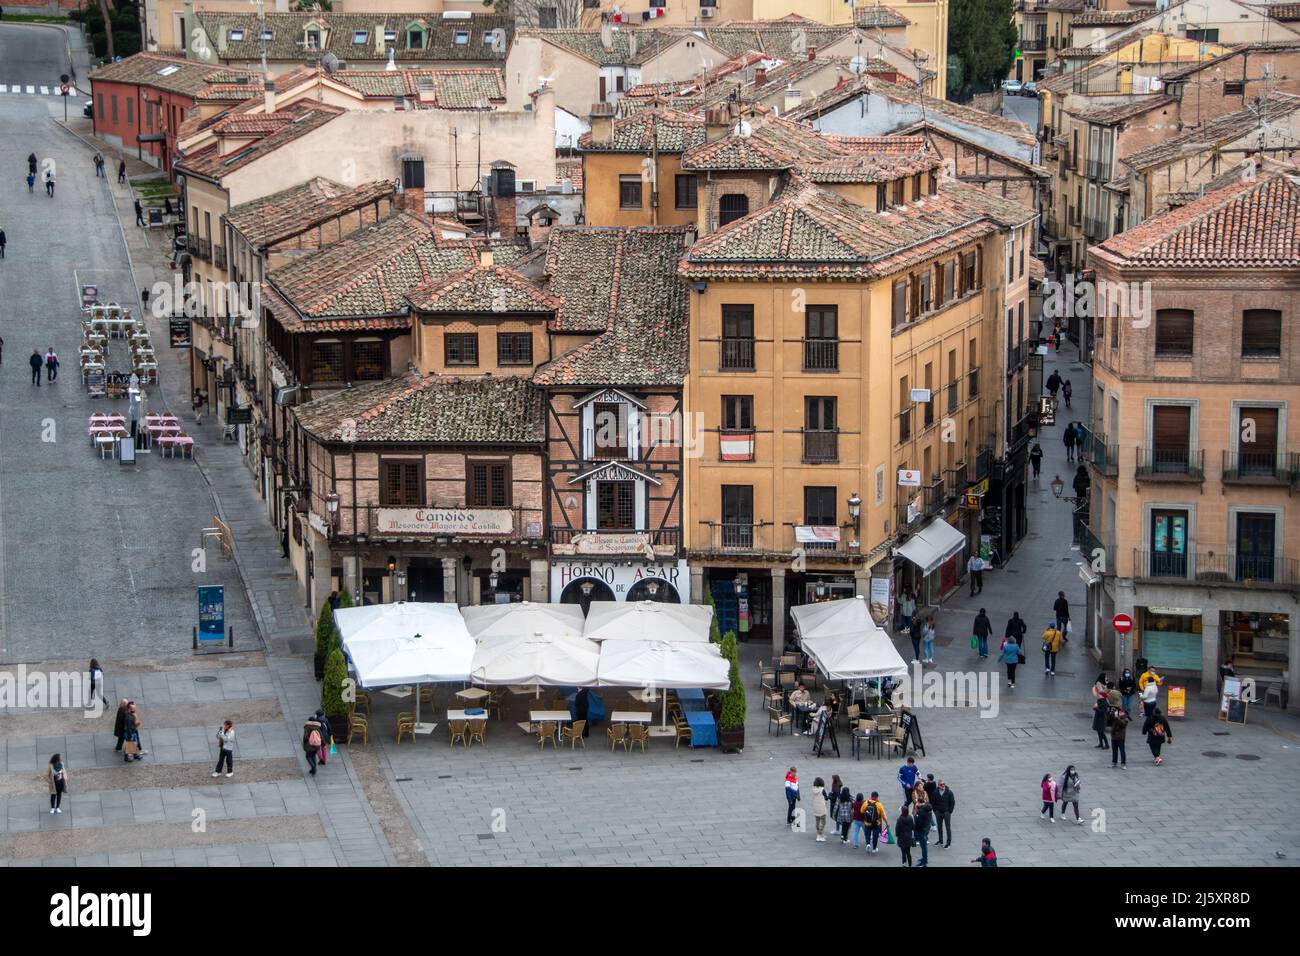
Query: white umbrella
pixel 846 616
pixel 659 665
pixel 539 659
pixel 417 643
pixel 523 618
pixel 639 620
pixel 855 656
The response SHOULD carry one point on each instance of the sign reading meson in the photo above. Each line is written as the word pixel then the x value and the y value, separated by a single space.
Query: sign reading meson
pixel 445 521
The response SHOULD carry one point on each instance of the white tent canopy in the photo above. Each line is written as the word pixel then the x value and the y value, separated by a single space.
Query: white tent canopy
pixel 547 660
pixel 654 620
pixel 416 643
pixel 844 641
pixel 933 545
pixel 523 618
pixel 662 664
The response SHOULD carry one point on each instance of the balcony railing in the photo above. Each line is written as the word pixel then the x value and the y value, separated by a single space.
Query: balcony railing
pixel 904 523
pixel 821 550
pixel 821 355
pixel 1033 44
pixel 935 497
pixel 820 446
pixel 983 463
pixel 606 541
pixel 219 256
pixel 1094 228
pixel 1021 431
pixel 1261 468
pixel 1017 356
pixel 1103 457
pixel 1096 169
pixel 1218 567
pixel 953 400
pixel 1094 550
pixel 957 479
pixel 1180 464
pixel 201 248
pixel 738 355
pixel 731 536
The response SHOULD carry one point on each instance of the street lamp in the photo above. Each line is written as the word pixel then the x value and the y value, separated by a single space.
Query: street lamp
pixel 332 507
pixel 493 578
pixel 652 588
pixel 1058 486
pixel 855 511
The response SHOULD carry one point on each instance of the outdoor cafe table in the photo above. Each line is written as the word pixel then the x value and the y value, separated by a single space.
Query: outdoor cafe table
pixel 465 715
pixel 692 694
pixel 472 693
pixel 704 731
pixel 115 431
pixel 631 717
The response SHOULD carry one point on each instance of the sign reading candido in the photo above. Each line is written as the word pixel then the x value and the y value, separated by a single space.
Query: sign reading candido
pixel 445 521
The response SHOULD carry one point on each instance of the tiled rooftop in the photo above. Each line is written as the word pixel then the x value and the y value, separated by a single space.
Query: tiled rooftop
pixel 1222 129
pixel 452 89
pixel 1119 112
pixel 173 74
pixel 306 116
pixel 624 47
pixel 669 130
pixel 429 408
pixel 271 219
pixel 482 289
pixel 1248 225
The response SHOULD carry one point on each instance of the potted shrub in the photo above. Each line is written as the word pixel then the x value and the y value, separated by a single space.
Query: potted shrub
pixel 326 638
pixel 731 724
pixel 715 632
pixel 331 701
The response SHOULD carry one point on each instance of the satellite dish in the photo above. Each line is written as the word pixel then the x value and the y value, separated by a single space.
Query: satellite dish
pixel 329 63
pixel 744 129
pixel 858 64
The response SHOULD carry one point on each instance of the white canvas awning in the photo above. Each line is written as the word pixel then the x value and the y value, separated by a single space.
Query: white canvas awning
pixel 661 664
pixel 845 642
pixel 523 618
pixel 641 620
pixel 405 643
pixel 539 659
pixel 846 616
pixel 933 545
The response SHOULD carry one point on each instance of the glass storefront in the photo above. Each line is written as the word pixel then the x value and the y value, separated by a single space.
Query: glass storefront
pixel 1256 641
pixel 1170 638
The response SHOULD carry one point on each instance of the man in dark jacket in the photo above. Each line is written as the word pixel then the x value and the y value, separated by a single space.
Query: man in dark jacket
pixel 982 628
pixel 37 363
pixel 944 804
pixel 119 725
pixel 1053 383
pixel 1158 732
pixel 1062 609
pixel 921 831
pixel 1016 628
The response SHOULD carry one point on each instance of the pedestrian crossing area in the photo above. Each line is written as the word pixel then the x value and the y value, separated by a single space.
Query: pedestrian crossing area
pixel 30 89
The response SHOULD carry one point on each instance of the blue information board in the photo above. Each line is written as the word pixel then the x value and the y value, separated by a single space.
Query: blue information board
pixel 212 613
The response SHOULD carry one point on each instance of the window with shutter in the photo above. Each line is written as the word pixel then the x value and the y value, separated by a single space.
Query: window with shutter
pixel 900 303
pixel 1174 332
pixel 1257 431
pixel 1171 434
pixel 489 485
pixel 1261 333
pixel 401 484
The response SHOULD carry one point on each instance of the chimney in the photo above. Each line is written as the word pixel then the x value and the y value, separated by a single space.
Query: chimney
pixel 812 53
pixel 602 122
pixel 717 123
pixel 760 76
pixel 268 92
pixel 485 259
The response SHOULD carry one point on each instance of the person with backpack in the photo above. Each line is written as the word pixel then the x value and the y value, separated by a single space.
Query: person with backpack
pixel 945 802
pixel 1119 721
pixel 57 776
pixel 1052 638
pixel 791 794
pixel 1158 732
pixel 1010 656
pixel 981 630
pixel 225 749
pixel 819 800
pixel 326 733
pixel 907 777
pixel 1050 794
pixel 873 819
pixel 987 857
pixel 903 830
pixel 311 742
pixel 1036 459
pixel 844 814
pixel 1070 788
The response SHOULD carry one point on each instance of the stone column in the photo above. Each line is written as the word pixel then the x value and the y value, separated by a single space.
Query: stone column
pixel 1210 653
pixel 539 580
pixel 449 579
pixel 862 583
pixel 697 585
pixel 778 612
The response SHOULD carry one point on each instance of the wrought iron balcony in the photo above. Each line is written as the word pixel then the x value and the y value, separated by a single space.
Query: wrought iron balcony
pixel 820 446
pixel 737 355
pixel 821 355
pixel 1261 468
pixel 732 536
pixel 1180 464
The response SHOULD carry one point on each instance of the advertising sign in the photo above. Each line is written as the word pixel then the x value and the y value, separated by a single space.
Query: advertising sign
pixel 1176 705
pixel 212 613
pixel 445 521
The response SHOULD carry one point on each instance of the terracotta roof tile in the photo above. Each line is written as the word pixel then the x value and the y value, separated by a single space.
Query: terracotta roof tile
pixel 451 89
pixel 786 40
pixel 170 73
pixel 1253 224
pixel 1222 129
pixel 306 116
pixel 1119 112
pixel 482 289
pixel 420 409
pixel 625 46
pixel 673 131
pixel 271 219
pixel 1110 18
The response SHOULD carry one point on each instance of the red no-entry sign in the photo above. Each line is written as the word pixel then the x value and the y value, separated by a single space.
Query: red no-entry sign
pixel 1122 623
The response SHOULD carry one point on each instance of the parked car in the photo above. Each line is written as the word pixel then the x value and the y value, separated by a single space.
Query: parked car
pixel 88 109
pixel 1029 89
pixel 1012 87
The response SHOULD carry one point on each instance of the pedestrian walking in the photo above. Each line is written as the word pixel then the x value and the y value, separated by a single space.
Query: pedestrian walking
pixel 51 365
pixel 975 567
pixel 119 724
pixel 1158 732
pixel 819 801
pixel 915 632
pixel 121 171
pixel 326 735
pixel 4 240
pixel 57 775
pixel 1058 333
pixel 1149 687
pixel 1070 788
pixel 97 681
pixel 48 179
pixel 833 795
pixel 31 163
pixel 844 814
pixel 907 777
pixel 139 213
pixel 131 749
pixel 225 749
pixel 1016 627
pixel 1127 688
pixel 859 818
pixel 906 608
pixel 1011 656
pixel 921 824
pixel 1100 718
pixel 1066 391
pixel 1081 485
pixel 945 802
pixel 311 741
pixel 981 630
pixel 903 830
pixel 36 362
pixel 1061 608
pixel 31 182
pixel 1119 721
pixel 1069 439
pixel 1052 638
pixel 197 401
pixel 987 857
pixel 99 166
pixel 1050 794
pixel 927 640
pixel 1036 459
pixel 1054 383
pixel 2 341
pixel 873 819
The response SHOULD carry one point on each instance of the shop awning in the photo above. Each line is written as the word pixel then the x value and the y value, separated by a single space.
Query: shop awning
pixel 933 545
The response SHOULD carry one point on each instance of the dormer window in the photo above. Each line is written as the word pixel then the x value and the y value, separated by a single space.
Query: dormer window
pixel 267 36
pixel 313 39
pixel 390 37
pixel 462 37
pixel 490 38
pixel 414 39
pixel 237 35
pixel 359 37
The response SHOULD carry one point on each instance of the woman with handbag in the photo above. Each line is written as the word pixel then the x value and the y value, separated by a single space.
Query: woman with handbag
pixel 1070 788
pixel 57 775
pixel 1100 716
pixel 132 749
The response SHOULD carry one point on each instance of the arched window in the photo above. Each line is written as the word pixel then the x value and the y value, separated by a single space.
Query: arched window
pixel 731 207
